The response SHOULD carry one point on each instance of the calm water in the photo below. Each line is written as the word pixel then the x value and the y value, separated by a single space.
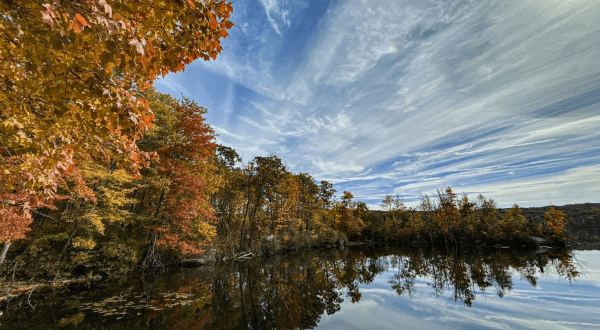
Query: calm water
pixel 351 289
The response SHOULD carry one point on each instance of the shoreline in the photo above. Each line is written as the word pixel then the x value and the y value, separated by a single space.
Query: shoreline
pixel 20 287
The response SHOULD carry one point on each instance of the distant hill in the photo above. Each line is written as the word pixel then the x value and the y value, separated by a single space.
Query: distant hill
pixel 583 222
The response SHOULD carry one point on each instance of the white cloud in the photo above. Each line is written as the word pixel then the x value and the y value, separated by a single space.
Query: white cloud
pixel 171 84
pixel 276 13
pixel 223 132
pixel 410 96
pixel 573 186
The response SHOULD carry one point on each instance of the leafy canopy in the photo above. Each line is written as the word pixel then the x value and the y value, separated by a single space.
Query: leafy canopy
pixel 70 77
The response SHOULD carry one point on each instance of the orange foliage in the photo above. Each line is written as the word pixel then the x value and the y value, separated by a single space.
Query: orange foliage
pixel 70 74
pixel 187 164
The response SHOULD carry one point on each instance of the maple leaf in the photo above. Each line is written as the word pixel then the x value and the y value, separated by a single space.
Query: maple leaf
pixel 78 23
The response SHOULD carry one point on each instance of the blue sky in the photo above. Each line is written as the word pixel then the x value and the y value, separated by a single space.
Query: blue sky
pixel 406 96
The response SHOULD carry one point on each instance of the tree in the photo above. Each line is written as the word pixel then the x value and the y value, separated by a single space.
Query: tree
pixel 172 198
pixel 348 215
pixel 427 208
pixel 513 224
pixel 226 200
pixel 555 222
pixel 394 206
pixel 70 77
pixel 447 214
pixel 308 191
pixel 187 163
pixel 485 216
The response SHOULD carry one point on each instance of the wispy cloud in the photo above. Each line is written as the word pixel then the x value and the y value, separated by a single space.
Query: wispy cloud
pixel 497 97
pixel 169 83
pixel 276 15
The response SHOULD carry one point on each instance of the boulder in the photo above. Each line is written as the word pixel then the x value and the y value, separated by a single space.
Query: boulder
pixel 193 263
pixel 539 241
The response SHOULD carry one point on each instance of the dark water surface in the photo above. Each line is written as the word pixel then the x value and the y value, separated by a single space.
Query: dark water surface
pixel 343 289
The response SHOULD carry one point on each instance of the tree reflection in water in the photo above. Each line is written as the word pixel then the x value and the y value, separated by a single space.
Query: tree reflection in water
pixel 293 292
pixel 280 292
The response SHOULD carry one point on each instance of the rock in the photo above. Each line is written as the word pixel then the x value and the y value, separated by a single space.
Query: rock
pixel 543 249
pixel 193 263
pixel 539 241
pixel 244 256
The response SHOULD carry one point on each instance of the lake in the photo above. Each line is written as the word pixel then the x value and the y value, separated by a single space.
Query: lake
pixel 383 288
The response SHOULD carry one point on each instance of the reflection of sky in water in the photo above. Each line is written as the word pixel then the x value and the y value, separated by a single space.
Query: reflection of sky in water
pixel 553 304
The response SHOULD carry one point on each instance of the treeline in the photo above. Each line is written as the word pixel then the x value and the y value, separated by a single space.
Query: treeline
pixel 263 207
pixel 583 222
pixel 449 219
pixel 193 195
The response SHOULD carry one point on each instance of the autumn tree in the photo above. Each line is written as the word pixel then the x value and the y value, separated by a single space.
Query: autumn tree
pixel 70 77
pixel 187 163
pixel 485 214
pixel 348 220
pixel 172 197
pixel 466 209
pixel 447 213
pixel 168 206
pixel 326 193
pixel 308 201
pixel 555 223
pixel 394 207
pixel 427 207
pixel 226 201
pixel 513 224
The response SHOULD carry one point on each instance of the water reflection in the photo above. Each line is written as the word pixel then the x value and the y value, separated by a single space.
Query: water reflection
pixel 281 292
pixel 466 273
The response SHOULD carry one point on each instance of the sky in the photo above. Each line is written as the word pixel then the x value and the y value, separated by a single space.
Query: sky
pixel 499 98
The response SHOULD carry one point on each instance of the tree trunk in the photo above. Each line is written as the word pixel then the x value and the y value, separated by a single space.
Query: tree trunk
pixel 4 251
pixel 243 231
pixel 64 249
pixel 160 200
pixel 150 252
pixel 245 214
pixel 132 207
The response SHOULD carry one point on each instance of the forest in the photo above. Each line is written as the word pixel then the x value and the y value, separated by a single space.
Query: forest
pixel 101 174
